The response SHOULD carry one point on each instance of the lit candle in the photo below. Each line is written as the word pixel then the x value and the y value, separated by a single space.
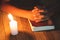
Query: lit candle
pixel 13 25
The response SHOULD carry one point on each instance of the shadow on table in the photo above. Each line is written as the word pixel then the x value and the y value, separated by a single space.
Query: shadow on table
pixel 22 36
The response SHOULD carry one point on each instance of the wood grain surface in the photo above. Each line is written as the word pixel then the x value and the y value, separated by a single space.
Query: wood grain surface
pixel 25 32
pixel 2 31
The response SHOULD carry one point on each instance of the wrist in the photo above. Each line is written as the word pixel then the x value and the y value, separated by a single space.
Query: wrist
pixel 28 15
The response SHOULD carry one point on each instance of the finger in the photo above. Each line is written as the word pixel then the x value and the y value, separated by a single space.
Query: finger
pixel 35 11
pixel 41 16
pixel 38 16
pixel 36 8
pixel 37 20
pixel 41 10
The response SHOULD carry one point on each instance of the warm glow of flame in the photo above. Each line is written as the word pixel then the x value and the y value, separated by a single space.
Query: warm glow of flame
pixel 13 25
pixel 10 16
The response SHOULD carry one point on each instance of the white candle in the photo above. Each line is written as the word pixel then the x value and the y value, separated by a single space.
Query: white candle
pixel 13 25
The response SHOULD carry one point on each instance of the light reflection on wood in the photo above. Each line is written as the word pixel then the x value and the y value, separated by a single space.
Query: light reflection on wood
pixel 23 26
pixel 2 31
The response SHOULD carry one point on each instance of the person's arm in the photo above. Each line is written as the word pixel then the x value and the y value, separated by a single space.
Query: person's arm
pixel 33 15
pixel 15 11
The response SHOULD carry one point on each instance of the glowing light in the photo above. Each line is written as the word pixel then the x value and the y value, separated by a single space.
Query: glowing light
pixel 10 16
pixel 13 25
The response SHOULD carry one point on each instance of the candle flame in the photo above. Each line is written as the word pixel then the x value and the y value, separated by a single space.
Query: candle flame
pixel 10 16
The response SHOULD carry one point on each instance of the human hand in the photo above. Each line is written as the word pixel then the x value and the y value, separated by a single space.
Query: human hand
pixel 36 16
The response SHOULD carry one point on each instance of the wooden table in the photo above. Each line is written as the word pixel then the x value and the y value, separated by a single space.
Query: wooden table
pixel 24 29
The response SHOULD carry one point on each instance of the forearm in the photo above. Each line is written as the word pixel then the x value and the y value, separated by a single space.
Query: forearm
pixel 15 11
